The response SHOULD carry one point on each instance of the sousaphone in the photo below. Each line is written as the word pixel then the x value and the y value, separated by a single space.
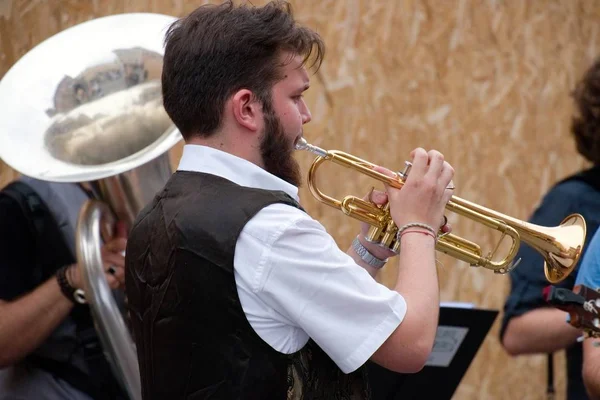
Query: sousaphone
pixel 85 106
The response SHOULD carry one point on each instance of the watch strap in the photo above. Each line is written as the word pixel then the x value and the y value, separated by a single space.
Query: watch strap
pixel 366 256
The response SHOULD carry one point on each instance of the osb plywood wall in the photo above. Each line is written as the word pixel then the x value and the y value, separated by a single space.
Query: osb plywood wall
pixel 487 82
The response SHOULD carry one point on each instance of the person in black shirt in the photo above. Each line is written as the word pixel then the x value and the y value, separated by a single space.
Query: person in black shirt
pixel 47 340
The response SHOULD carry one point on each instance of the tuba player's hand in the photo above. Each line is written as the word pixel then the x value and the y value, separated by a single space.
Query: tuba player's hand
pixel 113 259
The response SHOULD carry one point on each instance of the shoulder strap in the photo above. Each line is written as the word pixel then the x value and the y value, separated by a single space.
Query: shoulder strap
pixel 34 209
pixel 30 203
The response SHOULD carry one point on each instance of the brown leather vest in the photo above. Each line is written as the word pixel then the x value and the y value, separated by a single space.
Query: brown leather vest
pixel 192 336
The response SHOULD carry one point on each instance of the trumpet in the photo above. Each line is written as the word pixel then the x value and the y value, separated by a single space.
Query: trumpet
pixel 561 246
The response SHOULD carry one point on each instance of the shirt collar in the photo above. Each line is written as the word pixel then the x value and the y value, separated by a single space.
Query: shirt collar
pixel 212 161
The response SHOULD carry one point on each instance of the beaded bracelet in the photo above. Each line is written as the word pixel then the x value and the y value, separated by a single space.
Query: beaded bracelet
pixel 77 296
pixel 63 282
pixel 429 230
pixel 421 232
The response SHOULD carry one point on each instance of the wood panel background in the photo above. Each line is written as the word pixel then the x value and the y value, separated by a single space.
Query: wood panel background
pixel 487 82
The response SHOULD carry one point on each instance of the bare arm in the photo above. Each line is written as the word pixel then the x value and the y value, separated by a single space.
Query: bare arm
pixel 418 283
pixel 420 321
pixel 421 200
pixel 408 348
pixel 542 330
pixel 591 368
pixel 25 323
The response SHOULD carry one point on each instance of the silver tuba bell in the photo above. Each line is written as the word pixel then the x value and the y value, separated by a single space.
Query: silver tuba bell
pixel 85 105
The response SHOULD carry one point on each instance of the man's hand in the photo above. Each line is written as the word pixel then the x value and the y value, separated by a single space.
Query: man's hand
pixel 380 198
pixel 113 258
pixel 425 192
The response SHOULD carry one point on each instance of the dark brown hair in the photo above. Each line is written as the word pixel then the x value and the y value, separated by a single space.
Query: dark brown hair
pixel 219 49
pixel 585 126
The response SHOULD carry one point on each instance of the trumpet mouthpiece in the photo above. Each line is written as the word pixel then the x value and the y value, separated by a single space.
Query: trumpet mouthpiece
pixel 302 144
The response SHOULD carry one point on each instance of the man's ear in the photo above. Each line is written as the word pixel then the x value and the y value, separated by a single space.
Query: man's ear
pixel 247 110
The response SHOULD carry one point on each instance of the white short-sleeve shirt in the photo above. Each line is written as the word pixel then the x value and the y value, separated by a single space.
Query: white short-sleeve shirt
pixel 293 281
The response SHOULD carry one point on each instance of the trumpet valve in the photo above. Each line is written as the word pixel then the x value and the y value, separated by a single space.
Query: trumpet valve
pixel 384 236
pixel 406 170
pixel 374 234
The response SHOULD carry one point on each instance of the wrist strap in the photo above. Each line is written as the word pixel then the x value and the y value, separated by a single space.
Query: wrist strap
pixel 63 283
pixel 366 256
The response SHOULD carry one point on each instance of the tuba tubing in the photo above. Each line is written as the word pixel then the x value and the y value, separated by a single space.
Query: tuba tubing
pixel 95 218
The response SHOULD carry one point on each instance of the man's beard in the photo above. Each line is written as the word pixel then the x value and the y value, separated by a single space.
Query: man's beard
pixel 277 151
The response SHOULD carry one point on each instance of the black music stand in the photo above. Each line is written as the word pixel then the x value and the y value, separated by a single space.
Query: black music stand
pixel 460 333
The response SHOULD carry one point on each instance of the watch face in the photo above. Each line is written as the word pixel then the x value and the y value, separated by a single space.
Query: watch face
pixel 79 296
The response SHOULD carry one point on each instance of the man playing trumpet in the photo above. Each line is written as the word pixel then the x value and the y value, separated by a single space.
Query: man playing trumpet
pixel 234 290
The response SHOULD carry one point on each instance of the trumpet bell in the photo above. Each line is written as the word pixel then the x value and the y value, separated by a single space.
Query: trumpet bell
pixel 562 254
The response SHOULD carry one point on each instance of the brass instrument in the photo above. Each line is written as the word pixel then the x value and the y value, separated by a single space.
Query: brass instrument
pixel 85 105
pixel 561 246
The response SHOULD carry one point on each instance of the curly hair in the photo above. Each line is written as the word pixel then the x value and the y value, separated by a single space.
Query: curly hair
pixel 585 126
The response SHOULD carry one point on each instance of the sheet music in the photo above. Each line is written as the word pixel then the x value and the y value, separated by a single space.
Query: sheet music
pixel 447 341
